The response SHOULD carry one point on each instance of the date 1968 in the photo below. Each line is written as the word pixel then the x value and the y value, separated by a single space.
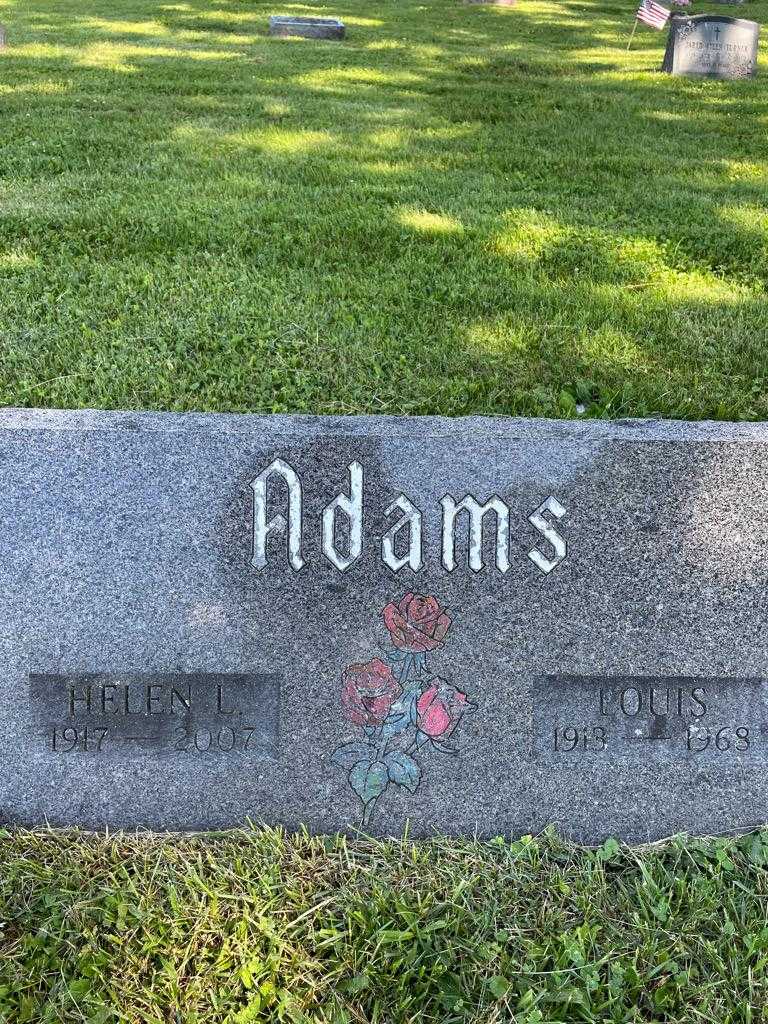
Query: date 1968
pixel 695 738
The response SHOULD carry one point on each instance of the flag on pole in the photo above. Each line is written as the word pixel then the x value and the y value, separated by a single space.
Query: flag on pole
pixel 653 14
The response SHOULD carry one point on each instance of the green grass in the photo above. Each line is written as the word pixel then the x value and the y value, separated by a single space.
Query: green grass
pixel 459 209
pixel 256 926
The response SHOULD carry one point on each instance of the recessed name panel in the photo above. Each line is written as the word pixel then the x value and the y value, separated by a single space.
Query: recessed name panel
pixel 156 715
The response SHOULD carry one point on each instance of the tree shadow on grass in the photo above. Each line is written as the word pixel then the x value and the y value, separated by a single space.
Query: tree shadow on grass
pixel 485 220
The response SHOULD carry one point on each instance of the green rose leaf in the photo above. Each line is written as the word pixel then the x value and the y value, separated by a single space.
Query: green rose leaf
pixel 369 780
pixel 402 714
pixel 349 754
pixel 403 770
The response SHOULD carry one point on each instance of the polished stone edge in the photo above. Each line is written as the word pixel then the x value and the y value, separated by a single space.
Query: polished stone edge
pixel 396 428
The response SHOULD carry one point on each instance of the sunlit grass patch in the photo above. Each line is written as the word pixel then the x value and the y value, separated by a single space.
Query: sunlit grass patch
pixel 17 260
pixel 121 26
pixel 41 87
pixel 429 223
pixel 357 78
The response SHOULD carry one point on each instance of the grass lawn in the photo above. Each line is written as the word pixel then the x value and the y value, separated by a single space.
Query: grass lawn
pixel 253 926
pixel 459 209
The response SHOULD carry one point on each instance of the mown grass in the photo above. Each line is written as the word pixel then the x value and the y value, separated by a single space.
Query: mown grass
pixel 459 209
pixel 259 926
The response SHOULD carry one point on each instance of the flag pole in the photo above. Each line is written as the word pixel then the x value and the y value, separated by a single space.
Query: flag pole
pixel 632 36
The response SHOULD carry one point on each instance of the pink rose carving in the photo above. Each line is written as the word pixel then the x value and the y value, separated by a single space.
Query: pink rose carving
pixel 417 624
pixel 368 692
pixel 440 708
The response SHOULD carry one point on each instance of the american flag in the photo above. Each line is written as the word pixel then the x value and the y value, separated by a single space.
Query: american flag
pixel 652 14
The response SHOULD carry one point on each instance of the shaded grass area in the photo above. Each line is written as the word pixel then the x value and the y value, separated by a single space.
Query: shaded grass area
pixel 259 926
pixel 460 209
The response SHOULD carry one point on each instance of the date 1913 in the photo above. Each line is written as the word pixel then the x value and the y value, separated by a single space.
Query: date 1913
pixel 570 738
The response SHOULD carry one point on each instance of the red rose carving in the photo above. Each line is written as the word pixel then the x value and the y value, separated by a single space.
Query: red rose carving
pixel 417 624
pixel 440 708
pixel 368 692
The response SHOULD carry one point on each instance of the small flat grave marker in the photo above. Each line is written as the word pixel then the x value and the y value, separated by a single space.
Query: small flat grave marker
pixel 711 46
pixel 309 28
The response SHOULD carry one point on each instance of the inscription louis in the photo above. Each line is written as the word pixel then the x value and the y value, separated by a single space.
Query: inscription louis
pixel 407 531
pixel 579 717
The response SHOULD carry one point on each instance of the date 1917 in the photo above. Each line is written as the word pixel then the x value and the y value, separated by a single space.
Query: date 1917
pixel 67 739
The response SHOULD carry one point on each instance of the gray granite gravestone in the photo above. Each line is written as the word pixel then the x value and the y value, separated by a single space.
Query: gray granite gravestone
pixel 309 28
pixel 711 46
pixel 2 36
pixel 477 624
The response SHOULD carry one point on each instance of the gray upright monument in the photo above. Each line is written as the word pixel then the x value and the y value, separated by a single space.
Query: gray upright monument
pixel 473 625
pixel 711 46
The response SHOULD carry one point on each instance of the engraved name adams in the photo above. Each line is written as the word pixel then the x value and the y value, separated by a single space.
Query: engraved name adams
pixel 280 486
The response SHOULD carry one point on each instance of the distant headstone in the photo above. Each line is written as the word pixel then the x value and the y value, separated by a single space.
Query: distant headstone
pixel 2 36
pixel 476 624
pixel 711 46
pixel 310 28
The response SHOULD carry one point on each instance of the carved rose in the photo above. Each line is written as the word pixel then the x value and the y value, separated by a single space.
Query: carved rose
pixel 440 708
pixel 368 692
pixel 417 624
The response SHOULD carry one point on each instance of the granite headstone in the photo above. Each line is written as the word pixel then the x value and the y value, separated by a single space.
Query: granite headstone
pixel 309 28
pixel 711 46
pixel 473 625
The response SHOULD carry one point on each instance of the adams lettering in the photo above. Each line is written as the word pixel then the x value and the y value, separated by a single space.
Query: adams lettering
pixel 342 527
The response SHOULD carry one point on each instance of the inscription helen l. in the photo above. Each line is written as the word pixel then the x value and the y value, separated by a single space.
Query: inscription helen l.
pixel 157 714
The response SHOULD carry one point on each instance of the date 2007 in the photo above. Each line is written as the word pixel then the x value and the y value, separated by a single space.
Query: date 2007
pixel 697 738
pixel 224 739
